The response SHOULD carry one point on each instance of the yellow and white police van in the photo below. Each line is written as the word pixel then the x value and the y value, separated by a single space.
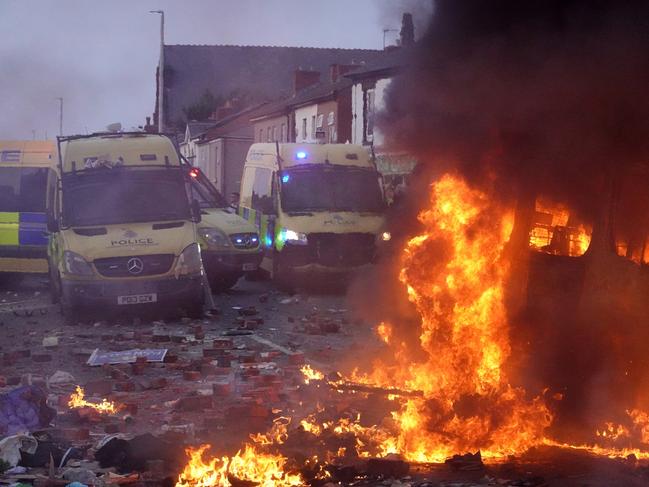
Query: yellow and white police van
pixel 122 225
pixel 319 208
pixel 230 245
pixel 24 169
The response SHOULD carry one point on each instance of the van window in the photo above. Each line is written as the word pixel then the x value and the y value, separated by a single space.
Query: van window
pixel 23 189
pixel 261 190
pixel 246 187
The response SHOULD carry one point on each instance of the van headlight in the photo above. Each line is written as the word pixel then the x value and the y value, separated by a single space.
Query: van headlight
pixel 294 237
pixel 214 237
pixel 386 236
pixel 189 261
pixel 75 264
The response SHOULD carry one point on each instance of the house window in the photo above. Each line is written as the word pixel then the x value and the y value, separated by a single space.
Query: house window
pixel 283 135
pixel 333 135
pixel 313 127
pixel 320 121
pixel 261 135
pixel 304 129
pixel 330 119
pixel 268 139
pixel 274 134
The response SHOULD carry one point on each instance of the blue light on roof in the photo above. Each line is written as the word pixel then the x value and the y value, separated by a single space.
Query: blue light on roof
pixel 286 178
pixel 301 155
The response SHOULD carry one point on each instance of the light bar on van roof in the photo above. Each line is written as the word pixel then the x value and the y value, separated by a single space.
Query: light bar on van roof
pixel 301 155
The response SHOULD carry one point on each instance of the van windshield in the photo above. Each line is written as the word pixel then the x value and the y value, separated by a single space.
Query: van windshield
pixel 111 196
pixel 205 193
pixel 22 189
pixel 331 188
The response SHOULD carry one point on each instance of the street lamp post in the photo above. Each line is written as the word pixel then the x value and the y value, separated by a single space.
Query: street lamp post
pixel 161 64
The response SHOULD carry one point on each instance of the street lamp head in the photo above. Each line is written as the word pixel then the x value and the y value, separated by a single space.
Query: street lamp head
pixel 156 11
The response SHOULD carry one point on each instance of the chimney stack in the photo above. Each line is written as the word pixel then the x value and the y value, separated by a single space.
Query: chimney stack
pixel 303 79
pixel 407 30
pixel 338 70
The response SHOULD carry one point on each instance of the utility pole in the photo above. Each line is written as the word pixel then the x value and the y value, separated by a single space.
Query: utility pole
pixel 60 115
pixel 161 70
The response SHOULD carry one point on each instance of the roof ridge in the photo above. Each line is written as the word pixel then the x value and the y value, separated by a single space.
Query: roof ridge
pixel 277 46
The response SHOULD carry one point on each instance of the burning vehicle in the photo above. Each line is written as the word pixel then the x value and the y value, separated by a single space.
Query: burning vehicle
pixel 123 227
pixel 319 208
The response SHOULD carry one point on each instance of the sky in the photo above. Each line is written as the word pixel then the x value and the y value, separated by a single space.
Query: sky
pixel 101 56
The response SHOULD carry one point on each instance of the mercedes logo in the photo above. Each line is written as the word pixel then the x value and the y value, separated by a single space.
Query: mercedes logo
pixel 135 266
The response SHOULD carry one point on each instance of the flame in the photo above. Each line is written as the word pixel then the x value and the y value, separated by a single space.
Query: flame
pixel 552 233
pixel 384 330
pixel 77 401
pixel 612 431
pixel 249 465
pixel 310 374
pixel 640 422
pixel 454 274
pixel 277 435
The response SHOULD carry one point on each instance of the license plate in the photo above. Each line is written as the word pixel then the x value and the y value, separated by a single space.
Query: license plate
pixel 137 299
pixel 249 267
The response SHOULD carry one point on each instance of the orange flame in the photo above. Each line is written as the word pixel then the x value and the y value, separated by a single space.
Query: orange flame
pixel 311 374
pixel 454 274
pixel 249 465
pixel 553 233
pixel 384 330
pixel 77 401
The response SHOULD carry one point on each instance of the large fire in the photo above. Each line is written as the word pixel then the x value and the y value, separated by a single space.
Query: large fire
pixel 77 400
pixel 450 389
pixel 454 274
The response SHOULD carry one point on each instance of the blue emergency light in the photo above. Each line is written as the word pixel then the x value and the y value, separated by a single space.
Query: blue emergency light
pixel 286 178
pixel 301 155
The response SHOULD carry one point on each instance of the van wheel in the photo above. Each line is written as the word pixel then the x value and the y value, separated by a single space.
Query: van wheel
pixel 71 313
pixel 223 283
pixel 282 275
pixel 196 310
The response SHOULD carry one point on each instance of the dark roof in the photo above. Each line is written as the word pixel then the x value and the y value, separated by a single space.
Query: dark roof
pixel 235 125
pixel 263 72
pixel 197 128
pixel 318 92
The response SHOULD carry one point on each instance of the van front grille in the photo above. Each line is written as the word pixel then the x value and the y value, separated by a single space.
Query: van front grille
pixel 245 240
pixel 346 249
pixel 135 265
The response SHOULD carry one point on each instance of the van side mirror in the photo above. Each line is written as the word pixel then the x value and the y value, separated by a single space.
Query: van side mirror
pixel 52 224
pixel 196 211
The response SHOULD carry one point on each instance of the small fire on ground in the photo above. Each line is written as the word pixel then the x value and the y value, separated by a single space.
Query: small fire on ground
pixel 77 400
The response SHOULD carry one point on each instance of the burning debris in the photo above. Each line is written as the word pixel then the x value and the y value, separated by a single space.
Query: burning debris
pixel 77 400
pixel 247 467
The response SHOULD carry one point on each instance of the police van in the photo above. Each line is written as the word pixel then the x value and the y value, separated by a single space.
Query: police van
pixel 122 224
pixel 230 245
pixel 319 208
pixel 24 169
